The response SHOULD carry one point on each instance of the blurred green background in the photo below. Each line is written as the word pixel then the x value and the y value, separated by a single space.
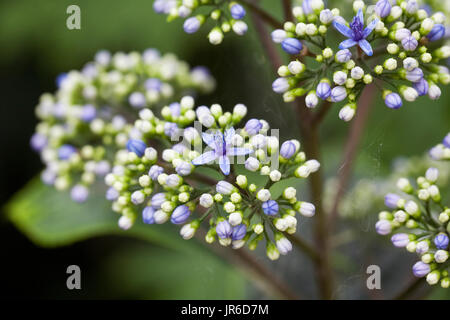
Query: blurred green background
pixel 50 232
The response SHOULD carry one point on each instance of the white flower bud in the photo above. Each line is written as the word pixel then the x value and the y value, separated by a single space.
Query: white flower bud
pixel 307 209
pixel 187 231
pixel 125 223
pixel 432 174
pixel 229 207
pixel 206 200
pixel 289 193
pixel 357 73
pixel 296 67
pixel 235 218
pixel 441 256
pixel 311 100
pixel 160 216
pixel 281 224
pixel 434 92
pixel 275 175
pixel 263 195
pixel 340 77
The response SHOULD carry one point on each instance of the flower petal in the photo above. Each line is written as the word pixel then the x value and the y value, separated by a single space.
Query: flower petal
pixel 347 44
pixel 360 16
pixel 342 28
pixel 209 139
pixel 370 28
pixel 224 164
pixel 366 47
pixel 239 151
pixel 229 134
pixel 204 158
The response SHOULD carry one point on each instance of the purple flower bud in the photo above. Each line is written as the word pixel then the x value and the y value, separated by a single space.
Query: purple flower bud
pixel 152 84
pixel 343 56
pixel 183 168
pixel 239 232
pixel 224 230
pixel 180 214
pixel 191 25
pixel 48 177
pixel 415 75
pixel 175 109
pixel 270 207
pixel 79 193
pixel 280 85
pixel 237 11
pixel 287 149
pixel 66 151
pixel 391 200
pixel 112 194
pixel 88 113
pixel 421 87
pixel 291 45
pixel 60 78
pixel 436 33
pixel 446 141
pixel 421 269
pixel 306 6
pixel 253 126
pixel 441 241
pixel 323 90
pixel 136 146
pixel 410 43
pixel 393 101
pixel 137 100
pixel 338 94
pixel 157 200
pixel 148 215
pixel 155 171
pixel 383 227
pixel 383 8
pixel 400 240
pixel 224 187
pixel 170 129
pixel 38 141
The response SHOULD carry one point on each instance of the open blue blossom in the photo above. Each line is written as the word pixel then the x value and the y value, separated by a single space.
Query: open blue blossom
pixel 356 34
pixel 222 148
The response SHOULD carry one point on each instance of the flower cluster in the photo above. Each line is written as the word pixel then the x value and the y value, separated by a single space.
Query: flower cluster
pixel 239 212
pixel 395 43
pixel 419 221
pixel 226 15
pixel 111 119
pixel 442 150
pixel 87 120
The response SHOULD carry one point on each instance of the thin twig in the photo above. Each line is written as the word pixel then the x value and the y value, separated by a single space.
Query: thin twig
pixel 351 147
pixel 303 246
pixel 266 42
pixel 310 137
pixel 287 9
pixel 263 277
pixel 263 15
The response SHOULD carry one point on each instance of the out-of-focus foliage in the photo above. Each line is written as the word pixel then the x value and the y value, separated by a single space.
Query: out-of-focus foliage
pixel 170 268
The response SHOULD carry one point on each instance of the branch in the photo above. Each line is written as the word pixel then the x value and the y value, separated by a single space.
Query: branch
pixel 287 9
pixel 351 146
pixel 263 277
pixel 266 42
pixel 263 15
pixel 304 247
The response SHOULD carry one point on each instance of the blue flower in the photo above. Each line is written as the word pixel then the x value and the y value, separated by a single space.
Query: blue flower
pixel 180 214
pixel 224 230
pixel 391 200
pixel 441 241
pixel 446 141
pixel 287 149
pixel 421 87
pixel 356 34
pixel 136 146
pixel 148 215
pixel 191 25
pixel 436 33
pixel 239 232
pixel 270 207
pixel 66 151
pixel 222 148
pixel 237 11
pixel 393 100
pixel 291 45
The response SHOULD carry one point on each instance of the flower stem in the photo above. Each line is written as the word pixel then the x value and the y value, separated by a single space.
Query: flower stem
pixel 351 146
pixel 262 14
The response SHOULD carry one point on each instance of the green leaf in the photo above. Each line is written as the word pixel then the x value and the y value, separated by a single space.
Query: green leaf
pixel 50 218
